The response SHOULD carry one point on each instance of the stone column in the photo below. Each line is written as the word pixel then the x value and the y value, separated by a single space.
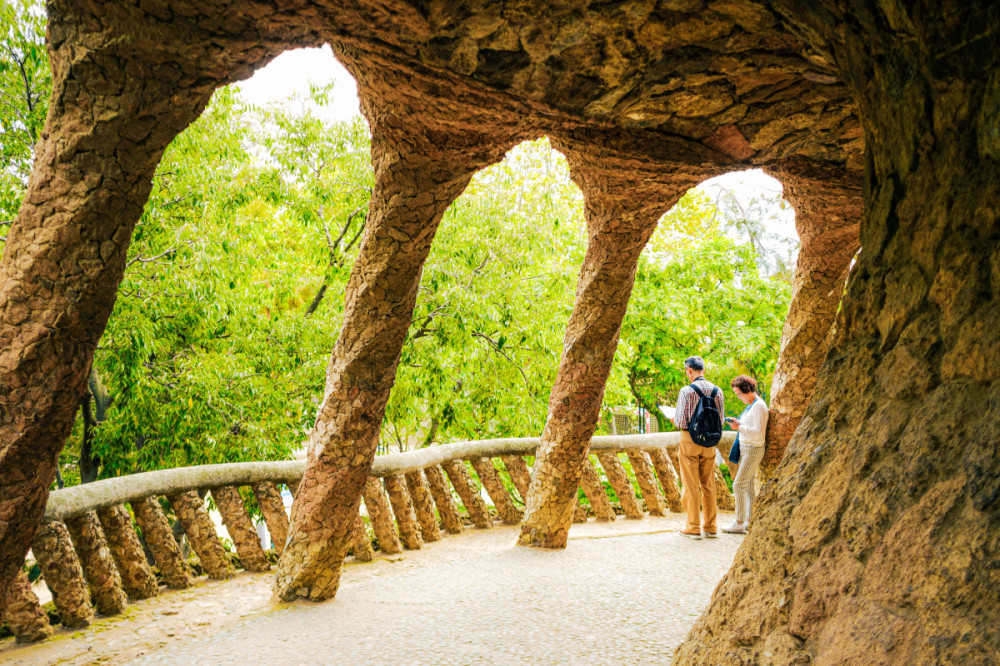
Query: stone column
pixel 619 481
pixel 103 579
pixel 137 577
pixel 872 541
pixel 240 528
pixel 273 508
pixel 467 490
pixel 160 539
pixel 114 107
pixel 519 474
pixel 360 543
pixel 827 205
pixel 647 482
pixel 423 503
pixel 668 479
pixel 579 512
pixel 594 490
pixel 422 163
pixel 63 575
pixel 200 531
pixel 445 503
pixel 402 508
pixel 487 473
pixel 22 613
pixel 624 201
pixel 380 513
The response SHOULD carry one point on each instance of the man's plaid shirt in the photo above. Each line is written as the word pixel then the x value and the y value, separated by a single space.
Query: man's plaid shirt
pixel 687 400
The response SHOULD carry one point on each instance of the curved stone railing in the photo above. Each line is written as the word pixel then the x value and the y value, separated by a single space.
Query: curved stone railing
pixel 91 557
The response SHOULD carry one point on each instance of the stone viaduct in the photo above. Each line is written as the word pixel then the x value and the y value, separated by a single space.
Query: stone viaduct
pixel 878 530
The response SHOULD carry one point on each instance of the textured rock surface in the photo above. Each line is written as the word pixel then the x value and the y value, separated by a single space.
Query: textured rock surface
pixel 103 580
pixel 509 514
pixel 380 513
pixel 240 527
pixel 423 505
pixel 594 490
pixel 402 508
pixel 201 534
pixel 876 539
pixel 63 575
pixel 443 500
pixel 519 474
pixel 468 491
pixel 22 613
pixel 361 544
pixel 723 495
pixel 160 539
pixel 271 505
pixel 137 577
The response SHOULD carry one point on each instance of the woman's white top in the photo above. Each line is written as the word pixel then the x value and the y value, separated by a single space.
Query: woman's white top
pixel 753 426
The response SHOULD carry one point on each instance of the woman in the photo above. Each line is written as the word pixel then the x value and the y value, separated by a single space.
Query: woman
pixel 750 428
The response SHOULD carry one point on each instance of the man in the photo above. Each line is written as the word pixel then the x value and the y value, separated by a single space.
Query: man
pixel 697 461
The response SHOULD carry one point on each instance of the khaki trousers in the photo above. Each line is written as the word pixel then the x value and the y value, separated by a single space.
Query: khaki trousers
pixel 698 477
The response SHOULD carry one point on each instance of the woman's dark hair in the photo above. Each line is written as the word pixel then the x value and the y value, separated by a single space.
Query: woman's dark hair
pixel 745 384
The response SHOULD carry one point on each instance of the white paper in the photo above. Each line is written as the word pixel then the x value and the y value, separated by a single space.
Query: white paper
pixel 668 411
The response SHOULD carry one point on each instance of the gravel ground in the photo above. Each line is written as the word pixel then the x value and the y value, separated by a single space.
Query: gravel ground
pixel 622 593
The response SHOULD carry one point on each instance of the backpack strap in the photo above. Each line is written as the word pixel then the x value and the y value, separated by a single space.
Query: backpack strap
pixel 700 394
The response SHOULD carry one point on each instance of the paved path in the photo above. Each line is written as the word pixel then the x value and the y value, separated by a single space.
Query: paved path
pixel 621 593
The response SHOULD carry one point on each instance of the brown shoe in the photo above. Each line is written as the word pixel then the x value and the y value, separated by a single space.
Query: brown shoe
pixel 710 535
pixel 690 535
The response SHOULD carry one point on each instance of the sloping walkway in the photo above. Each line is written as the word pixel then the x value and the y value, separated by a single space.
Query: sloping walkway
pixel 625 592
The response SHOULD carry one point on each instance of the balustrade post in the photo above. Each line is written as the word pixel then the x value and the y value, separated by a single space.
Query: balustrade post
pixel 63 575
pixel 136 575
pixel 519 474
pixel 580 513
pixel 594 490
pixel 200 531
pixel 380 513
pixel 445 503
pixel 360 543
pixel 424 505
pixel 668 479
pixel 160 539
pixel 723 496
pixel 466 489
pixel 494 485
pixel 402 507
pixel 615 472
pixel 22 613
pixel 240 528
pixel 99 568
pixel 273 508
pixel 647 482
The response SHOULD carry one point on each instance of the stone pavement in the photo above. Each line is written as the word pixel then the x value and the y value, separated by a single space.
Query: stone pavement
pixel 625 592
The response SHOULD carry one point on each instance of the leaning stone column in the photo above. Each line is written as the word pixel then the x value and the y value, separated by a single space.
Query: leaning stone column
pixel 624 201
pixel 467 490
pixel 160 539
pixel 723 495
pixel 240 528
pixel 445 503
pixel 423 503
pixel 360 543
pixel 647 482
pixel 114 107
pixel 200 531
pixel 63 575
pixel 422 163
pixel 22 613
pixel 487 473
pixel 380 513
pixel 594 490
pixel 519 474
pixel 618 479
pixel 271 505
pixel 668 479
pixel 102 575
pixel 827 205
pixel 137 577
pixel 402 508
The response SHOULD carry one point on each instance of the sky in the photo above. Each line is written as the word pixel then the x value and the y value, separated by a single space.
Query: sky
pixel 287 78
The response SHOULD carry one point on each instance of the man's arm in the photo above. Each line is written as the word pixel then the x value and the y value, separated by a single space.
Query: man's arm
pixel 720 402
pixel 680 413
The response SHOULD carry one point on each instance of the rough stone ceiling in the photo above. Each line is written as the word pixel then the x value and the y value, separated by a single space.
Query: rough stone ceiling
pixel 721 74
